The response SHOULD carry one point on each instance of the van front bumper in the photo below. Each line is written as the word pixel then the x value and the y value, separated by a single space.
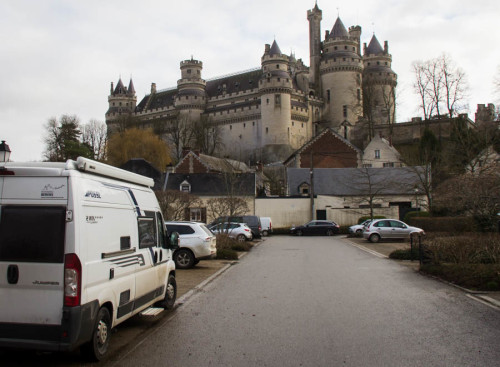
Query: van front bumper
pixel 75 329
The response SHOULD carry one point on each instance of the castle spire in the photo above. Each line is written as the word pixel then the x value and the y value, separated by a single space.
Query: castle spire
pixel 374 48
pixel 275 49
pixel 131 89
pixel 338 29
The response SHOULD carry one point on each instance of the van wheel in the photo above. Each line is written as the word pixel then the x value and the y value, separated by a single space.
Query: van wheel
pixel 170 293
pixel 96 348
pixel 265 233
pixel 184 259
pixel 374 238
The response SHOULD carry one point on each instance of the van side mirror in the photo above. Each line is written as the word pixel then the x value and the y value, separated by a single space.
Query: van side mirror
pixel 174 240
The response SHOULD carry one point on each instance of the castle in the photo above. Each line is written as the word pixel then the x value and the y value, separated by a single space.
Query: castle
pixel 266 113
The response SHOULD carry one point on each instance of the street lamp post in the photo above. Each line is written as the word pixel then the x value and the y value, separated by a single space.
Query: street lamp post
pixel 4 152
pixel 416 198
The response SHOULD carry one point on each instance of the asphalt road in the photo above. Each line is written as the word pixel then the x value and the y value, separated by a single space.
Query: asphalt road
pixel 317 301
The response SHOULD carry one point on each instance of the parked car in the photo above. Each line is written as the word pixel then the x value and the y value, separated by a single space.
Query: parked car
pixel 197 243
pixel 267 226
pixel 252 221
pixel 238 231
pixel 382 229
pixel 316 227
pixel 358 228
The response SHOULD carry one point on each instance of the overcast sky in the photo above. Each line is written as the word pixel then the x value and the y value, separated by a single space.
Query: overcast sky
pixel 59 57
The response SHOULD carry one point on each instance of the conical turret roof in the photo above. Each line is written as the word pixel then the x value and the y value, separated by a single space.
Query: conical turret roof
pixel 374 47
pixel 338 29
pixel 275 49
pixel 120 88
pixel 131 89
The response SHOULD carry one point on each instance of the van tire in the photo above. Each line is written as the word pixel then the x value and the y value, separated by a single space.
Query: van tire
pixel 184 259
pixel 170 293
pixel 97 347
pixel 265 233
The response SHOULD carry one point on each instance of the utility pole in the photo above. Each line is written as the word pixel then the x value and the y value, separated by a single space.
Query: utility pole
pixel 311 186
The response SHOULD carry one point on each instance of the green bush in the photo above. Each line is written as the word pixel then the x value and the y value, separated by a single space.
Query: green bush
pixel 405 254
pixel 484 277
pixel 410 215
pixel 241 246
pixel 444 224
pixel 227 254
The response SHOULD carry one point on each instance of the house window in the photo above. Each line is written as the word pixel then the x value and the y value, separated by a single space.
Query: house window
pixel 267 100
pixel 367 165
pixel 189 71
pixel 377 154
pixel 389 164
pixel 195 214
pixel 277 66
pixel 253 123
pixel 185 186
pixel 267 130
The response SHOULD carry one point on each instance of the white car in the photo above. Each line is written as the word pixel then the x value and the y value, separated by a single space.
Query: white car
pixel 238 231
pixel 358 228
pixel 196 243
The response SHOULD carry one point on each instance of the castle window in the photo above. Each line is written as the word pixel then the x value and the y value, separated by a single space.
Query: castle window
pixel 198 72
pixel 354 48
pixel 277 100
pixel 328 95
pixel 277 66
pixel 334 59
pixel 120 103
pixel 368 64
pixel 343 59
pixel 292 123
pixel 244 125
pixel 113 103
pixel 377 154
pixel 359 94
pixel 302 125
pixel 187 97
pixel 279 79
pixel 386 62
pixel 345 47
pixel 378 62
pixel 389 164
pixel 344 110
pixel 253 123
pixel 267 100
pixel 267 130
pixel 230 127
pixel 335 48
pixel 189 71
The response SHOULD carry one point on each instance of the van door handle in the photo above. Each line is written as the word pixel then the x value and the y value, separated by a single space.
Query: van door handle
pixel 12 274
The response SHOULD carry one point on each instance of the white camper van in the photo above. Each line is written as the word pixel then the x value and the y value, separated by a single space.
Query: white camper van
pixel 83 247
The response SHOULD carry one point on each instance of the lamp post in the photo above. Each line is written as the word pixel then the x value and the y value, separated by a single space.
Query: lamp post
pixel 4 152
pixel 416 198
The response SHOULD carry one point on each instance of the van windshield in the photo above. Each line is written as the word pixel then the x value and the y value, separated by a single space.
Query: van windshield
pixel 32 233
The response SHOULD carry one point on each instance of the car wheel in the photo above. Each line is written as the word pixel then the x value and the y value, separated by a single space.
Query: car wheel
pixel 184 259
pixel 97 347
pixel 359 231
pixel 265 233
pixel 329 232
pixel 241 238
pixel 374 238
pixel 170 293
pixel 299 233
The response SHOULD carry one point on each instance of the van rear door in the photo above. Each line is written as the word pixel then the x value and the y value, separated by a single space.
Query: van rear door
pixel 32 236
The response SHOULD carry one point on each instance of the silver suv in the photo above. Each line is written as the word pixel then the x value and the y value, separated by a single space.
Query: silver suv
pixel 383 229
pixel 196 243
pixel 239 231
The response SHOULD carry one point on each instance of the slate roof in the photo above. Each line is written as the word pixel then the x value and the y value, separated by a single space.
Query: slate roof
pixel 374 47
pixel 213 184
pixel 338 29
pixel 275 49
pixel 356 181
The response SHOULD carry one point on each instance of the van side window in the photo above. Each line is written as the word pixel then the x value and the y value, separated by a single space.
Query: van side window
pixel 147 232
pixel 162 234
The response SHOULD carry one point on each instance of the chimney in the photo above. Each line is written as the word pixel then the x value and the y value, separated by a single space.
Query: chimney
pixel 153 88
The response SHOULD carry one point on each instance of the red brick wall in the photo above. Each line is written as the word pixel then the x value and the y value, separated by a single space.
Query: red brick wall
pixel 188 161
pixel 329 152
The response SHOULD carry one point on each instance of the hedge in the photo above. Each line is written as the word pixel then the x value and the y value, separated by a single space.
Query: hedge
pixel 444 224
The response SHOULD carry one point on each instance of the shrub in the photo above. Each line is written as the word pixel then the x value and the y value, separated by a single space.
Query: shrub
pixel 405 254
pixel 241 246
pixel 410 215
pixel 227 254
pixel 444 224
pixel 484 277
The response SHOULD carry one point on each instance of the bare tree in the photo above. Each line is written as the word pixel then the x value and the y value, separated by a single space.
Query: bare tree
pixel 180 134
pixel 207 135
pixel 174 204
pixel 439 82
pixel 227 206
pixel 94 134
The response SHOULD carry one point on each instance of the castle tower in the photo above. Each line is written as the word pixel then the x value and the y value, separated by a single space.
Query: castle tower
pixel 341 70
pixel 314 17
pixel 190 100
pixel 379 83
pixel 275 87
pixel 122 101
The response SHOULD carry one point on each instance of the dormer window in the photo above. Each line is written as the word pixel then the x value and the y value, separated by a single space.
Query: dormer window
pixel 185 187
pixel 304 189
pixel 377 154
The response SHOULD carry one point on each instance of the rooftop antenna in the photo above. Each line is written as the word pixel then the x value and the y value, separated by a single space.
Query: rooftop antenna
pixel 373 27
pixel 338 13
